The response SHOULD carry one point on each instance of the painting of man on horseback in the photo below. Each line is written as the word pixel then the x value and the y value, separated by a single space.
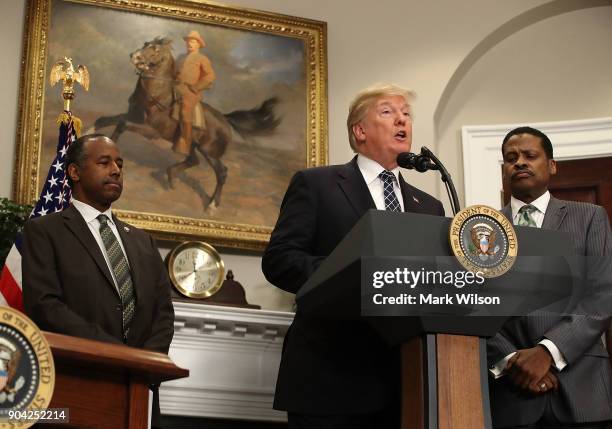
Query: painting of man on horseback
pixel 256 90
pixel 167 105
pixel 194 74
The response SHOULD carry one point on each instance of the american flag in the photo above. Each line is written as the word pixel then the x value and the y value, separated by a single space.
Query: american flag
pixel 55 197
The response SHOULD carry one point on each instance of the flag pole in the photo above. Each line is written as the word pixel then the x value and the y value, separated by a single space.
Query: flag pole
pixel 64 71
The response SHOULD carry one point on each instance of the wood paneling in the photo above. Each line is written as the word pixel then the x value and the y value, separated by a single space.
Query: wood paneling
pixel 459 388
pixel 105 386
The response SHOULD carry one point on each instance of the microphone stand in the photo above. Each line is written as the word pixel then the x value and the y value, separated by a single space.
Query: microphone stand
pixel 446 178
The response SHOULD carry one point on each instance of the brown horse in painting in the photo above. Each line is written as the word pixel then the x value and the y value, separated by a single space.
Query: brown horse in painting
pixel 150 114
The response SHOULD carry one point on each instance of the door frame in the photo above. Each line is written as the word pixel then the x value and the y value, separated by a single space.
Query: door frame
pixel 482 158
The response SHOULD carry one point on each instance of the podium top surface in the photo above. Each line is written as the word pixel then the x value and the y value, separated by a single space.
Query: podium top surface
pixel 336 289
pixel 156 367
pixel 382 233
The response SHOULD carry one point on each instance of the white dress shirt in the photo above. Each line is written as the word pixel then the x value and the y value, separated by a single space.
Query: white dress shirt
pixel 90 215
pixel 370 170
pixel 541 204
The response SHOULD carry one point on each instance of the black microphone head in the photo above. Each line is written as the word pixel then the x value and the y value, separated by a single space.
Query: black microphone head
pixel 421 163
pixel 406 160
pixel 425 151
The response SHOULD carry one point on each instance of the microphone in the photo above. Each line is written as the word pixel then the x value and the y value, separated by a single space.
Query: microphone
pixel 428 161
pixel 412 161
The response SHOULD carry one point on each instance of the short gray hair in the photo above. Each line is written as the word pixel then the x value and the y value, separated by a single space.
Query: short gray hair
pixel 364 100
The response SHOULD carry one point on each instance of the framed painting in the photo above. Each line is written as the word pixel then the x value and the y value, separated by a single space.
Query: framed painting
pixel 213 108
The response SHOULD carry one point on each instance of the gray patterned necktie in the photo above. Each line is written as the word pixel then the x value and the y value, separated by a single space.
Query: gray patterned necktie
pixel 121 270
pixel 525 218
pixel 391 202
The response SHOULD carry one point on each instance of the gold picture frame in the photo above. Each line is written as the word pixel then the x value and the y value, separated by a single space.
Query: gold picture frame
pixel 262 51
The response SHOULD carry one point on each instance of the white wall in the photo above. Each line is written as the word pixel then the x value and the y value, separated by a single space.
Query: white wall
pixel 11 32
pixel 421 45
pixel 557 69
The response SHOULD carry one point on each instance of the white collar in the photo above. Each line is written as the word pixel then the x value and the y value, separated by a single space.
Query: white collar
pixel 371 169
pixel 89 213
pixel 540 203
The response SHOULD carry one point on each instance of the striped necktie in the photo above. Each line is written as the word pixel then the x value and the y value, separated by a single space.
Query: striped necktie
pixel 121 270
pixel 525 218
pixel 391 202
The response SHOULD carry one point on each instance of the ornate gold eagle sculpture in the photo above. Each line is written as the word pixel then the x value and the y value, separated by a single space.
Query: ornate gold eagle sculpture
pixel 64 71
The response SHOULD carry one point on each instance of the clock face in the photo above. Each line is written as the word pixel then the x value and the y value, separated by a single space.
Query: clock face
pixel 196 269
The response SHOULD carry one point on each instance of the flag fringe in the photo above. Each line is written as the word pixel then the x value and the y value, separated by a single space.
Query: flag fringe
pixel 65 118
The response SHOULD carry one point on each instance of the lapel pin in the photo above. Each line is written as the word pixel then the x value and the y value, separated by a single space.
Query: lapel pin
pixel 126 229
pixel 416 200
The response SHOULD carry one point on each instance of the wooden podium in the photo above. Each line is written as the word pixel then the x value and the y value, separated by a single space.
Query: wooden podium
pixel 443 383
pixel 443 351
pixel 106 385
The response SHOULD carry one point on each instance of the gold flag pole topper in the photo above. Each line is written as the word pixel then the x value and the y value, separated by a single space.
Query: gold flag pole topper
pixel 64 71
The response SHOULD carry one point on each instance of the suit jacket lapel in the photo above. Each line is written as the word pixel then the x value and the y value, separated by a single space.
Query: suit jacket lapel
pixel 130 250
pixel 555 212
pixel 75 223
pixel 411 203
pixel 355 188
pixel 507 211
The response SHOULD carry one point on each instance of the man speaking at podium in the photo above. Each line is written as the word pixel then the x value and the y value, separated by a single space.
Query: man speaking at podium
pixel 551 370
pixel 340 374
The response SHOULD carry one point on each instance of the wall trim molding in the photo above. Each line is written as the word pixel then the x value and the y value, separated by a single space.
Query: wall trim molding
pixel 482 159
pixel 233 356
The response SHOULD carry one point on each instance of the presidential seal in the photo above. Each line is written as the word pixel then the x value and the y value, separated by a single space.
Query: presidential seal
pixel 484 240
pixel 27 372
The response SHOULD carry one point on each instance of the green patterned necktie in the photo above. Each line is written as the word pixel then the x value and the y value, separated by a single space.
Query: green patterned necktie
pixel 121 270
pixel 525 218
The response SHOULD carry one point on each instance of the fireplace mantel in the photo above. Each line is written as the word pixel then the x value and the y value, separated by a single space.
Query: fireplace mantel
pixel 233 355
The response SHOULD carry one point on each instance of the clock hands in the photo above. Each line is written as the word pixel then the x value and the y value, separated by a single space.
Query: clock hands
pixel 196 269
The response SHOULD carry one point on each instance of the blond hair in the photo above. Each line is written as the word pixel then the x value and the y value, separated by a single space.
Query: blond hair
pixel 366 98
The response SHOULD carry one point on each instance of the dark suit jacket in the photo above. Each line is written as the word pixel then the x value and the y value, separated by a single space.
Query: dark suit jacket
pixel 585 393
pixel 68 288
pixel 329 367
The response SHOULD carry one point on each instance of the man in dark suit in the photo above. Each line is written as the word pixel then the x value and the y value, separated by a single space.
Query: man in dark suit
pixel 551 370
pixel 336 374
pixel 86 273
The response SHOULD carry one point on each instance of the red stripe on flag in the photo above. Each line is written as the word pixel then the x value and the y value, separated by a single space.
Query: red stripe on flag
pixel 10 289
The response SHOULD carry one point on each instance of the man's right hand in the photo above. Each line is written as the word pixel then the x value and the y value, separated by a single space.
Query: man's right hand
pixel 548 383
pixel 528 366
